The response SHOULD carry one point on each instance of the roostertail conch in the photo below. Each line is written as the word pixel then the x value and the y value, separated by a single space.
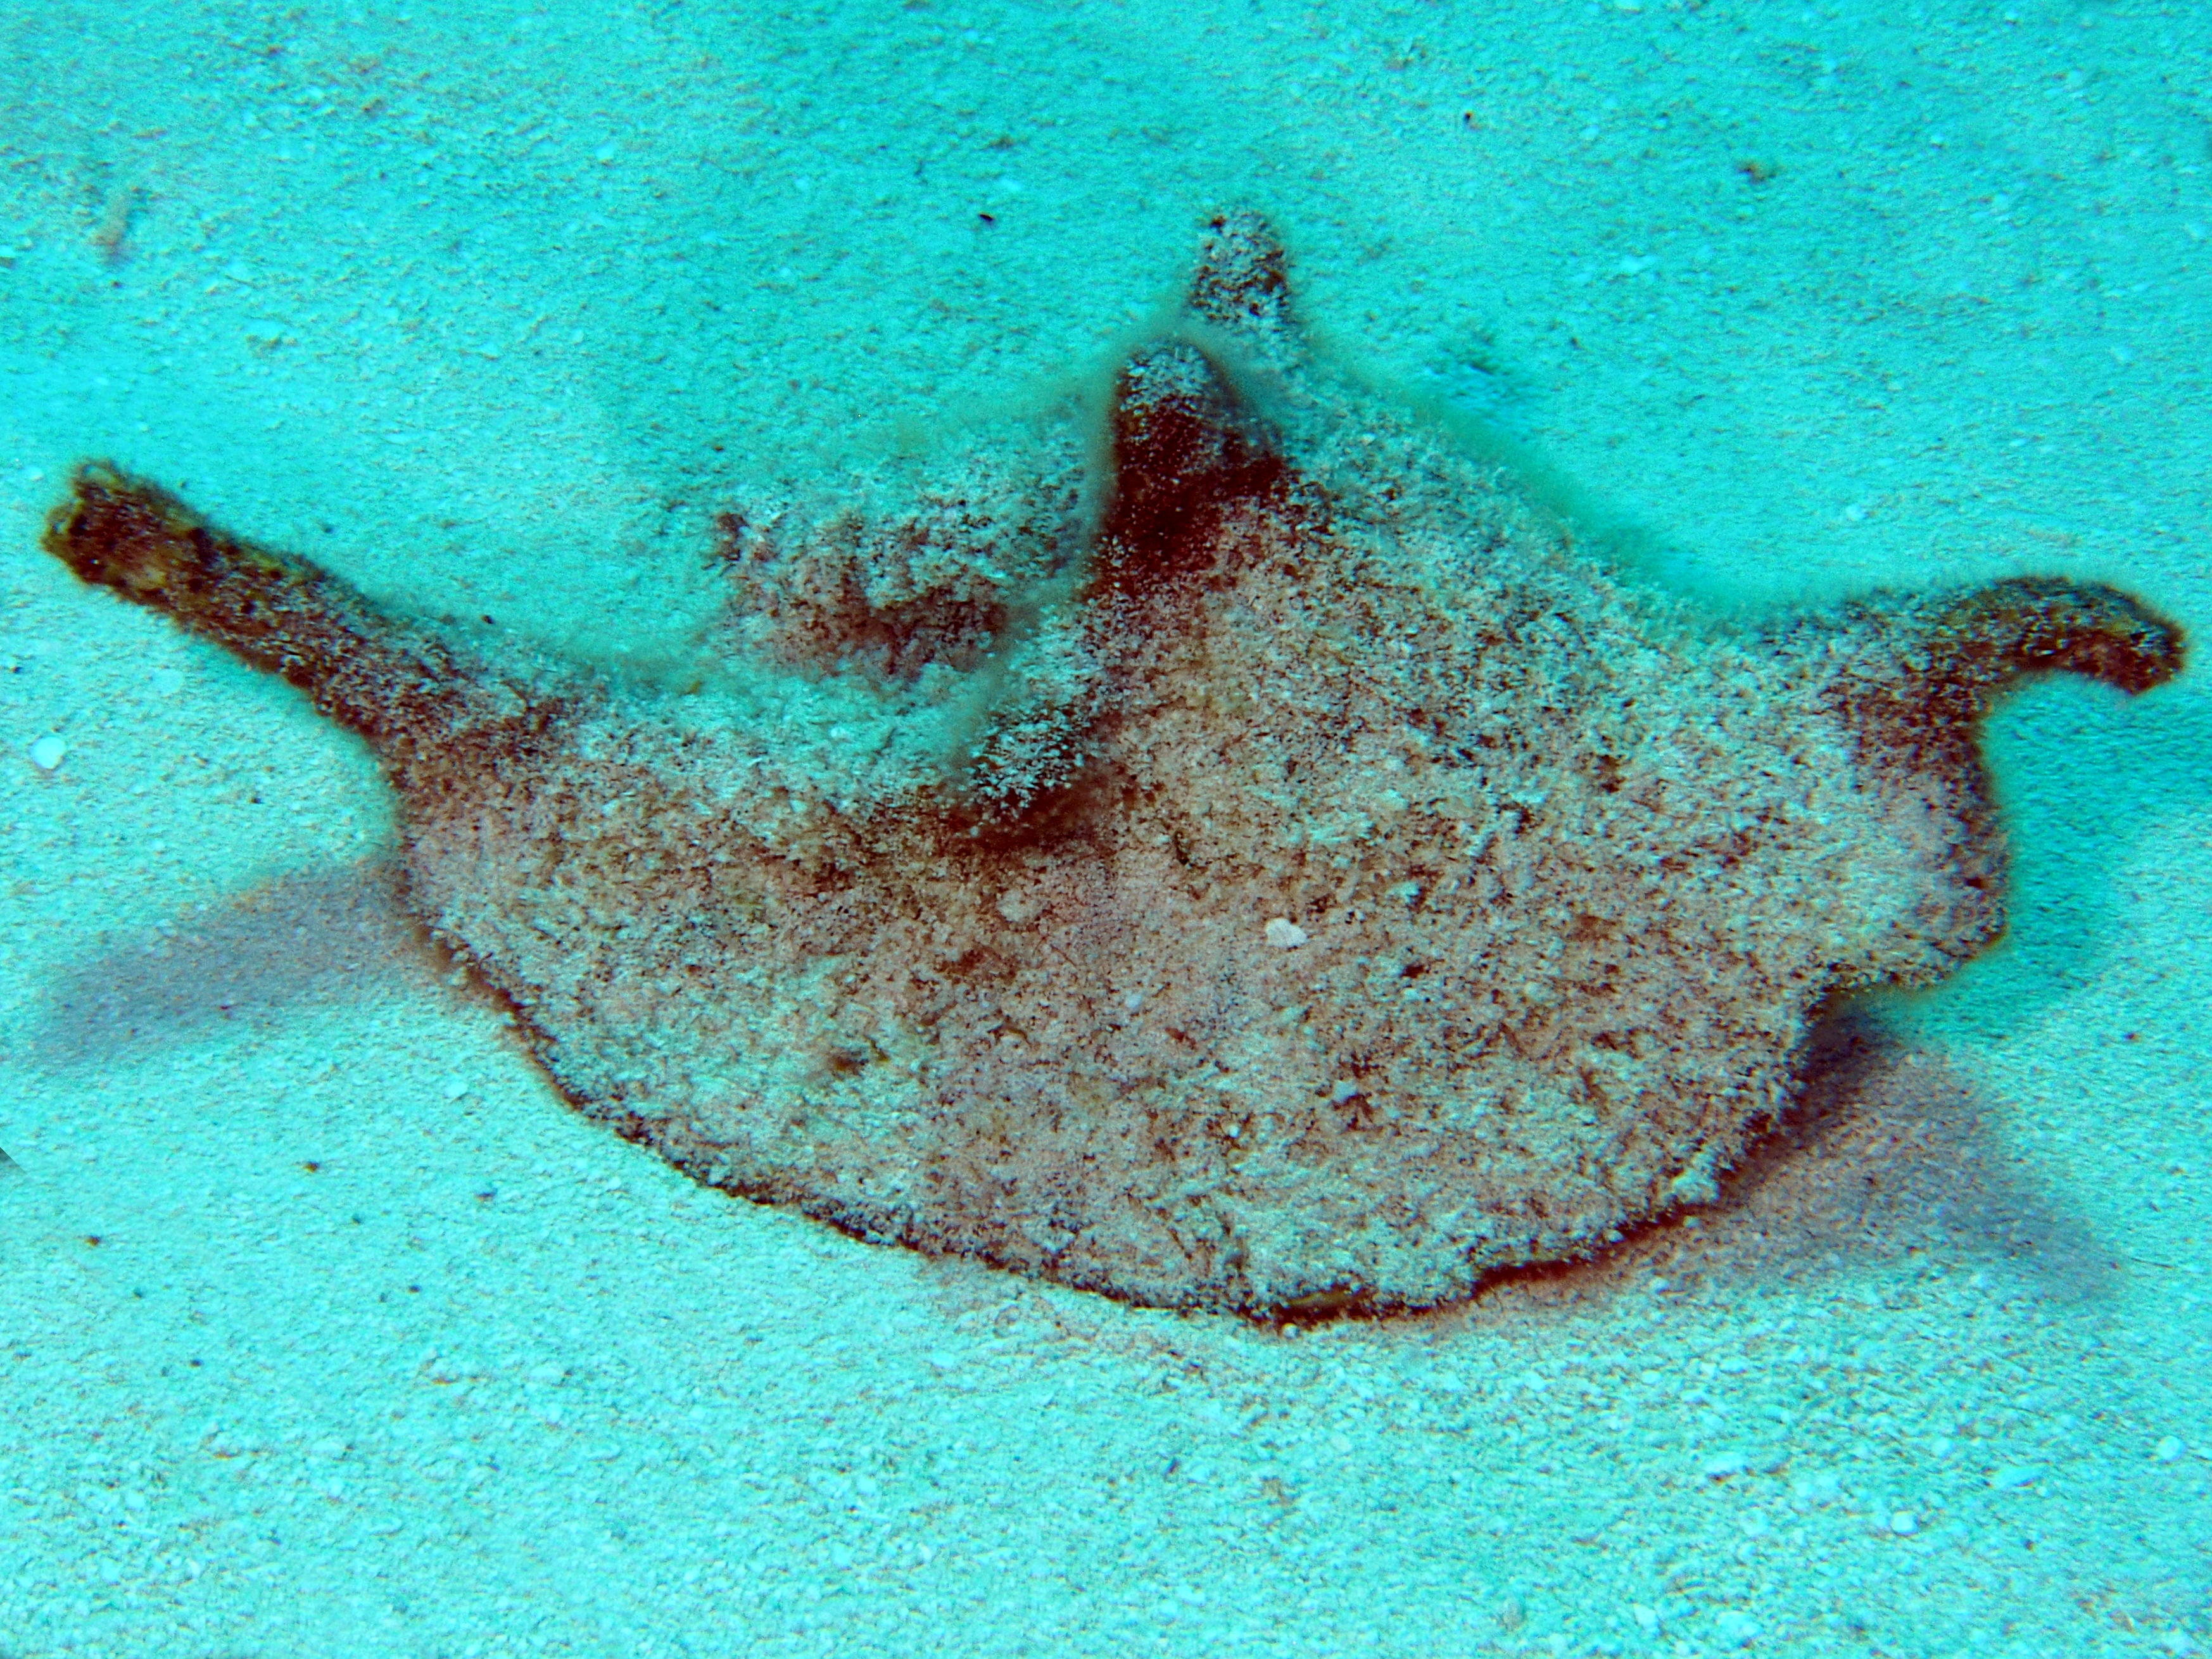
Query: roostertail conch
pixel 1227 848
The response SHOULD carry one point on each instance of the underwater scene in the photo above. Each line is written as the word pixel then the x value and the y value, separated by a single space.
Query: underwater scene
pixel 953 827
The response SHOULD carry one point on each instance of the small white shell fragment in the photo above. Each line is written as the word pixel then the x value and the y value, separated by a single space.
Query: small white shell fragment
pixel 1735 1628
pixel 1285 934
pixel 47 753
pixel 455 1088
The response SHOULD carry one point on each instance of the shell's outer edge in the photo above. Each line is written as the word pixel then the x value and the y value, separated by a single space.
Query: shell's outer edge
pixel 398 685
pixel 953 936
pixel 1913 677
pixel 1243 280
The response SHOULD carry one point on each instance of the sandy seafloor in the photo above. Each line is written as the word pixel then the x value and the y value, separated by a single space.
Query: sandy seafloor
pixel 326 1328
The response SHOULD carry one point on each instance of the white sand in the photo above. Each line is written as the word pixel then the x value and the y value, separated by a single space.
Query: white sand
pixel 490 310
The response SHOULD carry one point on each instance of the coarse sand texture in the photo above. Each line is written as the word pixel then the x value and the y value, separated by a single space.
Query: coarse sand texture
pixel 1223 845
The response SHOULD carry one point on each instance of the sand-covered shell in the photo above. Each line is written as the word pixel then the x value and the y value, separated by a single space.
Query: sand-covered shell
pixel 1232 850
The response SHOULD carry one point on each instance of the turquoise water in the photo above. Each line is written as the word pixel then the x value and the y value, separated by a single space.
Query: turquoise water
pixel 326 1325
